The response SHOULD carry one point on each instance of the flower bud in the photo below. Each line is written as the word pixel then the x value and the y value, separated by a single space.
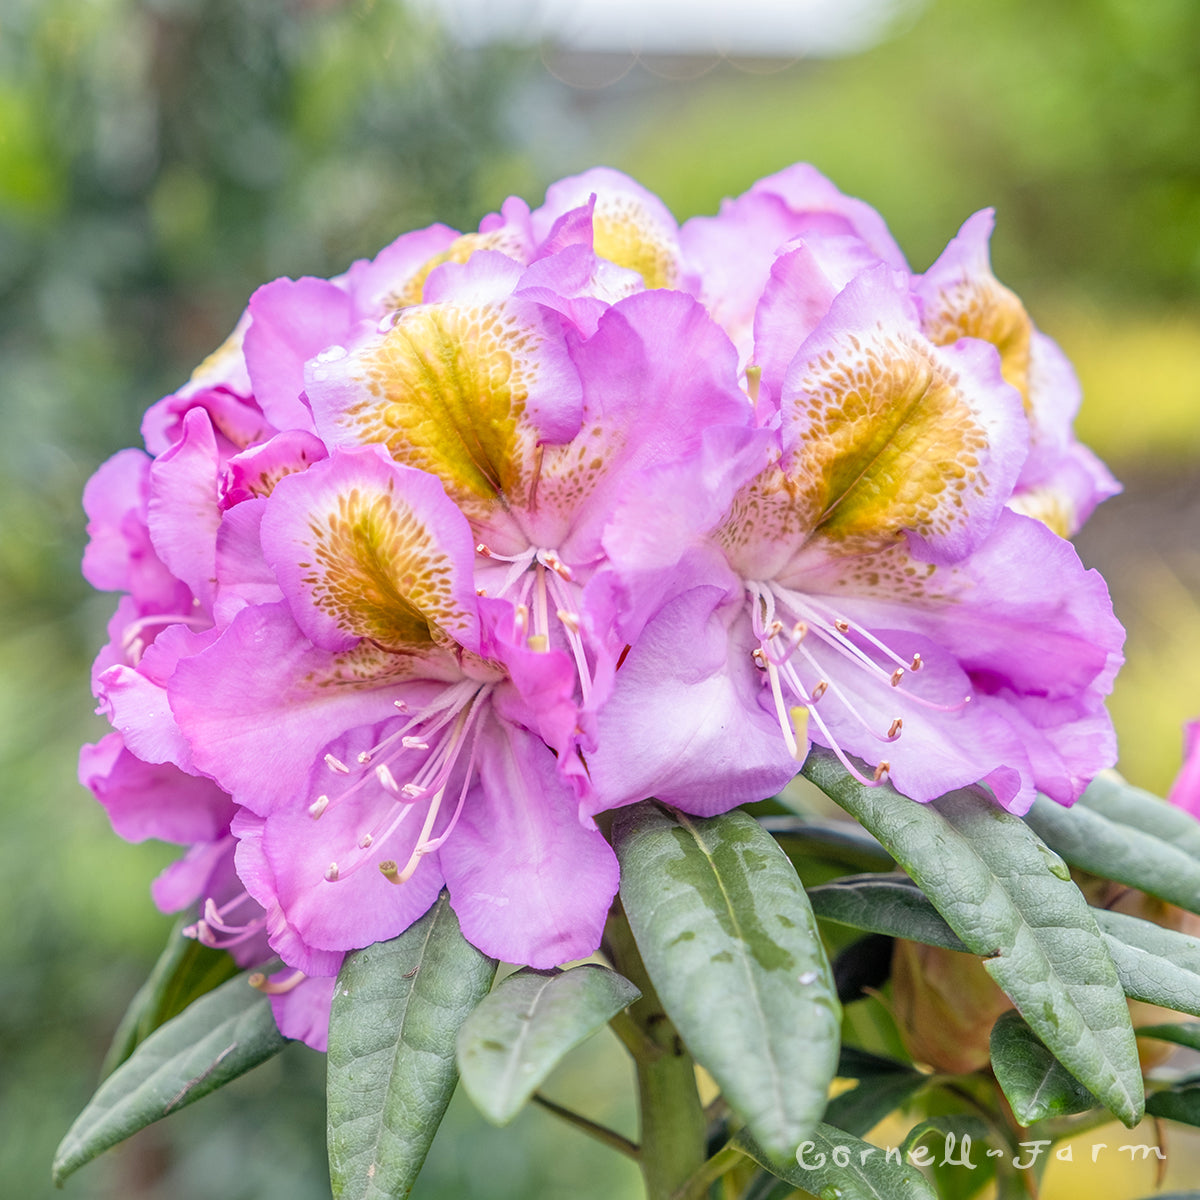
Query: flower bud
pixel 945 1004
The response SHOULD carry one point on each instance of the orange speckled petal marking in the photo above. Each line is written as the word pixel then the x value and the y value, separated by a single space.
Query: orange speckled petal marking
pixel 883 433
pixel 463 390
pixel 962 298
pixel 363 548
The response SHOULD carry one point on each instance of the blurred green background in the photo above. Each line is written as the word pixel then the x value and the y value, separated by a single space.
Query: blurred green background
pixel 160 159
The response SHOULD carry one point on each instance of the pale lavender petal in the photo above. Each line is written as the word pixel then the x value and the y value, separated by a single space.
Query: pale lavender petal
pixel 120 555
pixel 236 419
pixel 262 704
pixel 243 575
pixel 684 722
pixel 292 320
pixel 529 883
pixel 183 515
pixel 256 471
pixel 1185 791
pixel 302 1012
pixel 147 800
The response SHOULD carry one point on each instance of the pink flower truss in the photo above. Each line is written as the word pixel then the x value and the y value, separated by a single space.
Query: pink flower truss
pixel 434 561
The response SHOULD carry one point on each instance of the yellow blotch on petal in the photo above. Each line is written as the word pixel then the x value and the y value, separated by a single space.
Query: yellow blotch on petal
pixel 215 365
pixel 982 307
pixel 459 251
pixel 446 389
pixel 889 443
pixel 625 233
pixel 378 573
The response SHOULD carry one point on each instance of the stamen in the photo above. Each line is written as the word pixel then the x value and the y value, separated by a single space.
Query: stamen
pixel 318 806
pixel 917 663
pixel 389 870
pixel 364 842
pixel 401 705
pixel 414 743
pixel 331 873
pixel 521 619
pixel 569 619
pixel 881 770
pixel 894 731
pixel 760 658
pixel 550 559
pixel 364 758
pixel 842 625
pixel 799 715
pixel 820 690
pixel 384 774
pixel 753 381
pixel 897 675
pixel 484 550
pixel 263 984
pixel 336 765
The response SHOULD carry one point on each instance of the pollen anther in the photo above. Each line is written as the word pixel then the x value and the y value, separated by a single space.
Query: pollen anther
pixel 318 806
pixel 881 770
pixel 336 765
pixel 897 675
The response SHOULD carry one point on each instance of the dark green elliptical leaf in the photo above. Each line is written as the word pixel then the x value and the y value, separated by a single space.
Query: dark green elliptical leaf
pixel 731 946
pixel 1011 901
pixel 836 1164
pixel 1157 965
pixel 214 1040
pixel 883 1085
pixel 1122 833
pixel 1034 1082
pixel 397 1009
pixel 185 971
pixel 520 1033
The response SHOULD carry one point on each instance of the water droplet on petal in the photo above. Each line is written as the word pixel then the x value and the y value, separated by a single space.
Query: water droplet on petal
pixel 331 354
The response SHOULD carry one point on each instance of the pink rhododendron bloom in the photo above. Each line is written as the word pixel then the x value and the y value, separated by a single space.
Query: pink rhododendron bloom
pixel 1185 791
pixel 436 560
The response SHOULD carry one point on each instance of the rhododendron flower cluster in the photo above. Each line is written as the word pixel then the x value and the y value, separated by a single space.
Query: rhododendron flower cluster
pixel 433 562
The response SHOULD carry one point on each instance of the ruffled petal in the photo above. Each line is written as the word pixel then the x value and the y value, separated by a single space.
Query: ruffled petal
pixel 529 883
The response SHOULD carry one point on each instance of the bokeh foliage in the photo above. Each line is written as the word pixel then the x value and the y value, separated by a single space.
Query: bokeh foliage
pixel 161 158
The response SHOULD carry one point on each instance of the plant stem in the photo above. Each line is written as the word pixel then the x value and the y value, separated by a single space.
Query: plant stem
pixel 672 1120
pixel 602 1133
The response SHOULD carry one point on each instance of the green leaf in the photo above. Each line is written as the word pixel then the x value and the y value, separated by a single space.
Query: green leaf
pixel 1176 1104
pixel 1185 1034
pixel 890 904
pixel 1154 964
pixel 1120 802
pixel 397 1010
pixel 953 1178
pixel 1117 843
pixel 830 1162
pixel 731 945
pixel 1011 901
pixel 1034 1082
pixel 861 1108
pixel 520 1033
pixel 185 971
pixel 214 1040
pixel 884 1084
pixel 846 839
